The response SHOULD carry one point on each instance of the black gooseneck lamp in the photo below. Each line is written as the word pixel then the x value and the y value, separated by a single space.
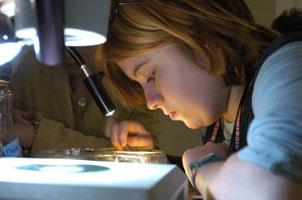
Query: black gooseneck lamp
pixel 93 84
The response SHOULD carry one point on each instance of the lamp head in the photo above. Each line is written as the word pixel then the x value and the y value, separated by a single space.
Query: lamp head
pixel 7 7
pixel 9 44
pixel 85 22
pixel 51 24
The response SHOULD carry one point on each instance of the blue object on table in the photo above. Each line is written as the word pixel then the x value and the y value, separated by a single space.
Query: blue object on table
pixel 12 149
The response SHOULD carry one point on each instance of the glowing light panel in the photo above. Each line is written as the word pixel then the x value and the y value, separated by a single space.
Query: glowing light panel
pixel 110 180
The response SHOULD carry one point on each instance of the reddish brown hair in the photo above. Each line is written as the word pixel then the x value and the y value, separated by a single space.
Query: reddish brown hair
pixel 190 24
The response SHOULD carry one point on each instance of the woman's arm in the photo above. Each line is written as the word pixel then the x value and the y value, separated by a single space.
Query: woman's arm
pixel 238 179
pixel 270 166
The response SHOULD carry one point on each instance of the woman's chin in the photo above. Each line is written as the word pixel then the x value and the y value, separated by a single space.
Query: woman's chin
pixel 191 124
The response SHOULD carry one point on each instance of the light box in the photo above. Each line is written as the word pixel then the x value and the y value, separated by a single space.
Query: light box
pixel 36 178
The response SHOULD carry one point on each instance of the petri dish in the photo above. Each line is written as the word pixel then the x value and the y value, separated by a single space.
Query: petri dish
pixel 141 156
pixel 102 154
pixel 132 155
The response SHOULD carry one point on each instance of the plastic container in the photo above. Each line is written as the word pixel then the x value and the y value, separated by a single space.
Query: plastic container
pixel 9 143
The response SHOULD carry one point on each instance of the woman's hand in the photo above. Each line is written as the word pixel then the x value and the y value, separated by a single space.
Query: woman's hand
pixel 196 153
pixel 128 133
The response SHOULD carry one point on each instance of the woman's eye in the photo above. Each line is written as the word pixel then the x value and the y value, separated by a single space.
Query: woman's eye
pixel 151 78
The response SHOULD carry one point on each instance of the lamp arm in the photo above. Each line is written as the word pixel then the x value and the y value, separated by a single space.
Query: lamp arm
pixel 93 84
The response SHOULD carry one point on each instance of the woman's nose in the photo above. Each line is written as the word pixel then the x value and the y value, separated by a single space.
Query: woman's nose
pixel 153 98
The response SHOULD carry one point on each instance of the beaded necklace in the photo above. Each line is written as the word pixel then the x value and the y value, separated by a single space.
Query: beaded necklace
pixel 235 141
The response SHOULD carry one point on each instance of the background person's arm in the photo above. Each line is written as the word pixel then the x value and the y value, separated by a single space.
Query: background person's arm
pixel 54 135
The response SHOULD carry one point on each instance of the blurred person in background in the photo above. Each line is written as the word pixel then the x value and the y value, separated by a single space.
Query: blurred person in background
pixel 289 21
pixel 54 109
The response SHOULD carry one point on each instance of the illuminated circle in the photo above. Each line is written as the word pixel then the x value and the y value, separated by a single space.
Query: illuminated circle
pixel 63 168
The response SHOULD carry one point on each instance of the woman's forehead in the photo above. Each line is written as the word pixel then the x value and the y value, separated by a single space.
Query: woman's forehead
pixel 129 65
pixel 146 57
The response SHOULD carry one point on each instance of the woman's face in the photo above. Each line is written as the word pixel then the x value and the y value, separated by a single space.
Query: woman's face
pixel 176 85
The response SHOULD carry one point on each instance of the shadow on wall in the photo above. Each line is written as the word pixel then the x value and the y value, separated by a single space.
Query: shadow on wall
pixel 175 137
pixel 263 11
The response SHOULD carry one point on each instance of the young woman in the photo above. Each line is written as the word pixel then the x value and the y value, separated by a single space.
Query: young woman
pixel 206 63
